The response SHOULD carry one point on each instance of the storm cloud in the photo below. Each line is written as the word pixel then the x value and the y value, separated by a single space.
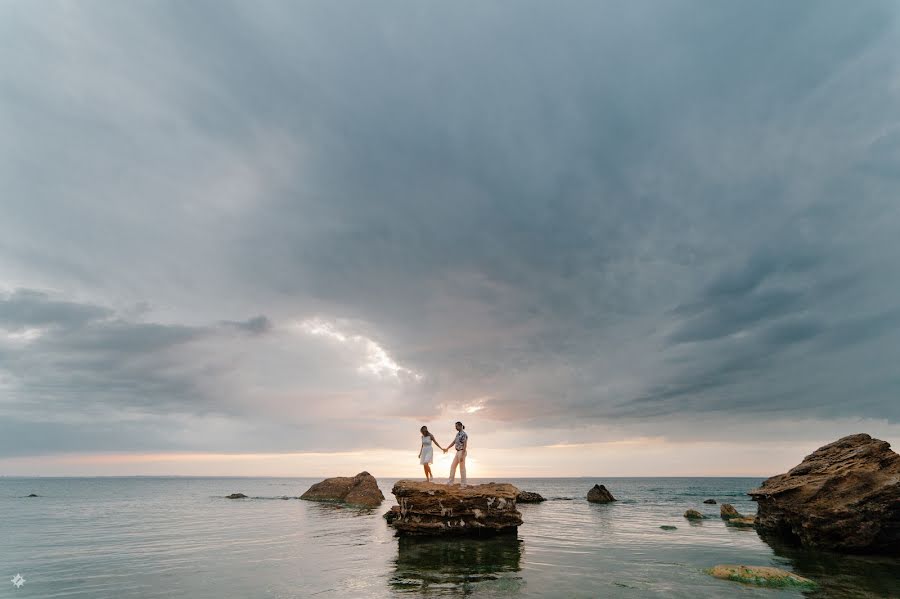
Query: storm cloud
pixel 281 226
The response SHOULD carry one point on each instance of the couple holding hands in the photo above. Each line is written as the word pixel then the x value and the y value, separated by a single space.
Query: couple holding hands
pixel 460 443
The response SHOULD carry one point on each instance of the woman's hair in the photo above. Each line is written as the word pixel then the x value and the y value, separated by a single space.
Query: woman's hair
pixel 424 430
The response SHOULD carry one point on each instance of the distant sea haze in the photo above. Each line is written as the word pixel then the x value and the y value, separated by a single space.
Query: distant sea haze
pixel 147 537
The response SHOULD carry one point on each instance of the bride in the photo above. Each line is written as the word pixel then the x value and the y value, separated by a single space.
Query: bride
pixel 426 452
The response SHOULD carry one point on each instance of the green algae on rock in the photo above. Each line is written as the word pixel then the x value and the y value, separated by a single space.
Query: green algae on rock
pixel 766 576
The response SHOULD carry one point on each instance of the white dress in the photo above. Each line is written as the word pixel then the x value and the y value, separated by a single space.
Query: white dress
pixel 427 451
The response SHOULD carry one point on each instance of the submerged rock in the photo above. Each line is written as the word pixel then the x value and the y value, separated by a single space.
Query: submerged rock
pixel 361 490
pixel 529 497
pixel 761 575
pixel 236 496
pixel 741 522
pixel 727 512
pixel 845 496
pixel 600 494
pixel 432 509
pixel 667 527
pixel 693 515
pixel 710 501
pixel 32 495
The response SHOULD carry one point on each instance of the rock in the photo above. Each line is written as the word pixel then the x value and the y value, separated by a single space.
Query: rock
pixel 529 497
pixel 32 495
pixel 710 501
pixel 727 512
pixel 236 496
pixel 600 494
pixel 667 527
pixel 693 515
pixel 361 490
pixel 432 509
pixel 741 522
pixel 761 575
pixel 392 514
pixel 843 497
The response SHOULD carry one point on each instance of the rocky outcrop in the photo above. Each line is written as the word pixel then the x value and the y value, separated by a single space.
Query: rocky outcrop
pixel 727 512
pixel 761 575
pixel 529 497
pixel 236 496
pixel 844 497
pixel 710 501
pixel 361 490
pixel 432 509
pixel 600 494
pixel 693 515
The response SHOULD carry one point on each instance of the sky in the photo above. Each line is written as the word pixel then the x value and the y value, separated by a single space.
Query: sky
pixel 275 238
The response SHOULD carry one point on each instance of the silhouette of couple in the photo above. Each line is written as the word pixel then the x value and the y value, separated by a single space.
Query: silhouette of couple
pixel 460 443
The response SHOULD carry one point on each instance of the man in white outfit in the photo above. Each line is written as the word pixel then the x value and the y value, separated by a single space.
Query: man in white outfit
pixel 461 443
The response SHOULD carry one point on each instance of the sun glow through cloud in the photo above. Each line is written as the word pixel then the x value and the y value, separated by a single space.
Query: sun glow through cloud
pixel 377 361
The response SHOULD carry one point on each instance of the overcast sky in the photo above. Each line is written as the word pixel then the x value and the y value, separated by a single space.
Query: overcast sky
pixel 612 237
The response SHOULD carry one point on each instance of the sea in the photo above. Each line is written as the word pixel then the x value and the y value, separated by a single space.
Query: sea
pixel 149 537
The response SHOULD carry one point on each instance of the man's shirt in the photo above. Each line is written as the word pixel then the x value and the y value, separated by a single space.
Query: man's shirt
pixel 460 440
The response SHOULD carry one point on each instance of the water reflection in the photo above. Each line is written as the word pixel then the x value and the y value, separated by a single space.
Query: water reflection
pixel 841 576
pixel 457 567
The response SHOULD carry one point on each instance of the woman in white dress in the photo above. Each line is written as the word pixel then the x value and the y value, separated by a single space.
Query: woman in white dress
pixel 426 451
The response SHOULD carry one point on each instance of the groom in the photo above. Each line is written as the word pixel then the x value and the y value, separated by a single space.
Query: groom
pixel 461 443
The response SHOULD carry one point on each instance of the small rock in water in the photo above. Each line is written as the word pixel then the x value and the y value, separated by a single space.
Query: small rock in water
pixel 710 501
pixel 693 515
pixel 600 494
pixel 761 575
pixel 727 511
pixel 32 495
pixel 529 497
pixel 742 522
pixel 361 490
pixel 667 527
pixel 236 496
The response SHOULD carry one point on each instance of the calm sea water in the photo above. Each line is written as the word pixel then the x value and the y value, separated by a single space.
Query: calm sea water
pixel 179 537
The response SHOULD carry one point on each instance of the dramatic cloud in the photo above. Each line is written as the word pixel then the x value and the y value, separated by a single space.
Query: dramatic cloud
pixel 310 227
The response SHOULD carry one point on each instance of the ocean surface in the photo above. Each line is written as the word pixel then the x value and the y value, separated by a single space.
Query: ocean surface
pixel 179 537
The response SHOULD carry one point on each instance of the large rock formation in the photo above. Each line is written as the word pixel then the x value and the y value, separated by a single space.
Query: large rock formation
pixel 432 509
pixel 844 496
pixel 361 490
pixel 600 494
